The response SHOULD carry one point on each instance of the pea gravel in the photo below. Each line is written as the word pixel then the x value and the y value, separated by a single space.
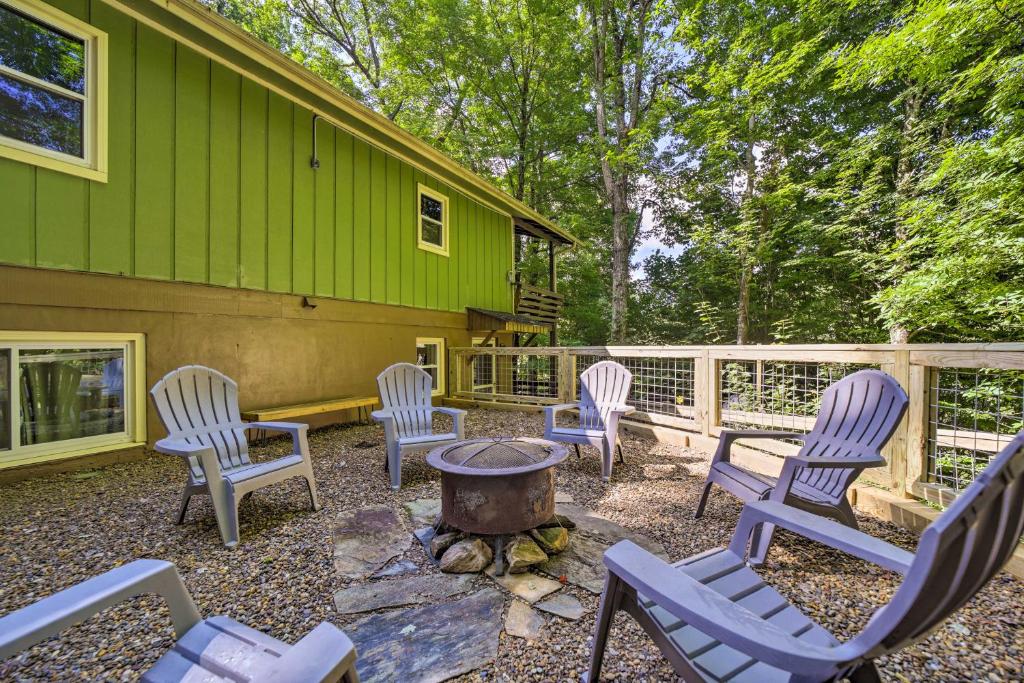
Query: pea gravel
pixel 61 529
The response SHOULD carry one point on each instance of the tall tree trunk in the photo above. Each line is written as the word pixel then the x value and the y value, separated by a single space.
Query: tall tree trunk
pixel 898 333
pixel 746 265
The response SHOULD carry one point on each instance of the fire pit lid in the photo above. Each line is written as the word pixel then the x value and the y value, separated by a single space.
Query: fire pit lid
pixel 496 456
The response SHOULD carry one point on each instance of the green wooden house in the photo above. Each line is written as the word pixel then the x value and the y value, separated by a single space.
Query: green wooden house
pixel 177 192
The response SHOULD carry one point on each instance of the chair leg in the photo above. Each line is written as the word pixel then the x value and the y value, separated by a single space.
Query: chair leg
pixel 186 496
pixel 846 515
pixel 314 499
pixel 761 542
pixel 606 460
pixel 578 454
pixel 703 499
pixel 611 598
pixel 394 466
pixel 225 506
pixel 618 445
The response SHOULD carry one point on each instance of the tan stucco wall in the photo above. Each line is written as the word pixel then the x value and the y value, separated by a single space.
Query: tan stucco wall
pixel 278 350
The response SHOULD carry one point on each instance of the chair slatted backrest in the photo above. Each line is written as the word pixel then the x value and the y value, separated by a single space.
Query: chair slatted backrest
pixel 199 405
pixel 858 415
pixel 957 555
pixel 405 390
pixel 603 387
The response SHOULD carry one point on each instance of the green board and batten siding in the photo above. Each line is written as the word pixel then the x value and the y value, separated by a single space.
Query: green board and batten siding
pixel 210 182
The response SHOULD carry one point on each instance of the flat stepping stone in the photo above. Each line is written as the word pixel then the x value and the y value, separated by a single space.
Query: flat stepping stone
pixel 366 539
pixel 397 569
pixel 660 471
pixel 563 497
pixel 415 590
pixel 528 586
pixel 429 644
pixel 563 605
pixel 424 511
pixel 524 622
pixel 582 563
pixel 605 530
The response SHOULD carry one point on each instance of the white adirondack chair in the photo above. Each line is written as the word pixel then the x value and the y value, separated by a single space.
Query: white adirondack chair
pixel 211 649
pixel 199 409
pixel 604 389
pixel 407 416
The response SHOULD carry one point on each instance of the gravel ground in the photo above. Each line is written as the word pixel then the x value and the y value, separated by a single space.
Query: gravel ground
pixel 61 529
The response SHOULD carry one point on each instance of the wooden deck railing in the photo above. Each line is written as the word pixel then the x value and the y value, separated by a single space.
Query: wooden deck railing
pixel 966 400
pixel 541 306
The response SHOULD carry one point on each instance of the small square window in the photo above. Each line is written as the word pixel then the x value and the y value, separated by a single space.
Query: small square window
pixel 430 357
pixel 52 89
pixel 433 220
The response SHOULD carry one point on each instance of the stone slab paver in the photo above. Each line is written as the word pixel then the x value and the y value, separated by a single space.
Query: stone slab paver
pixel 582 563
pixel 524 622
pixel 563 605
pixel 527 585
pixel 429 644
pixel 366 539
pixel 423 511
pixel 605 530
pixel 397 568
pixel 415 590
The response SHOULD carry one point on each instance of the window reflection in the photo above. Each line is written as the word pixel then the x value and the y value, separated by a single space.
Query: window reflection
pixel 71 393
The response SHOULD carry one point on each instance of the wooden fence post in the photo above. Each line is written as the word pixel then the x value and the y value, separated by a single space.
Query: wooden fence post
pixel 702 394
pixel 917 428
pixel 899 442
pixel 566 376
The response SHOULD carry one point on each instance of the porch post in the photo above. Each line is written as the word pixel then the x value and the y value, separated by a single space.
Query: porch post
pixel 553 282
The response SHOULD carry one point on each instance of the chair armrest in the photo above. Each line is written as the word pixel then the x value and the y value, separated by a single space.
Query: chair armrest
pixel 382 415
pixel 51 615
pixel 560 407
pixel 716 615
pixel 728 436
pixel 453 412
pixel 550 412
pixel 290 427
pixel 169 446
pixel 323 655
pixel 816 528
pixel 298 430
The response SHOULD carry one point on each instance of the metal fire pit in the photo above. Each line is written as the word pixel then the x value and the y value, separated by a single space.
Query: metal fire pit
pixel 497 486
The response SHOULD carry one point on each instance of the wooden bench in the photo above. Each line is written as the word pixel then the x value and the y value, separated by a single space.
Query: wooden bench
pixel 363 404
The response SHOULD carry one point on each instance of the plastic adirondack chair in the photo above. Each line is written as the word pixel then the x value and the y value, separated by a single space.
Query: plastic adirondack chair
pixel 213 649
pixel 858 415
pixel 407 416
pixel 715 619
pixel 199 409
pixel 604 387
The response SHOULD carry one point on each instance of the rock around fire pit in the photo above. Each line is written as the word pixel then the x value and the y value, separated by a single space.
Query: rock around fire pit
pixel 497 488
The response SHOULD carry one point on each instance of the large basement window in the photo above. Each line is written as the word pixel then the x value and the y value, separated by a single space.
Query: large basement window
pixel 430 357
pixel 53 98
pixel 66 394
pixel 433 220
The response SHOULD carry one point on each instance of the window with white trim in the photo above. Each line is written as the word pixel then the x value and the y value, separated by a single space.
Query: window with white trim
pixel 67 394
pixel 52 89
pixel 484 370
pixel 433 220
pixel 430 357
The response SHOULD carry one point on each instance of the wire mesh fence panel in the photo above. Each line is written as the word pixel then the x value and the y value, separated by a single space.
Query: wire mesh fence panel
pixel 661 385
pixel 972 415
pixel 779 395
pixel 502 376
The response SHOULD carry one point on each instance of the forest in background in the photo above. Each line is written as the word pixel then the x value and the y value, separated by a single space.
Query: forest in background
pixel 822 170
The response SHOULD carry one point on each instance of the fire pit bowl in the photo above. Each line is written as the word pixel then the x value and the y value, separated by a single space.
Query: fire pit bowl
pixel 497 486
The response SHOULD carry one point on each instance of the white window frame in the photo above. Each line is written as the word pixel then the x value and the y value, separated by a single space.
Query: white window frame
pixel 134 434
pixel 489 388
pixel 439 342
pixel 424 191
pixel 93 164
